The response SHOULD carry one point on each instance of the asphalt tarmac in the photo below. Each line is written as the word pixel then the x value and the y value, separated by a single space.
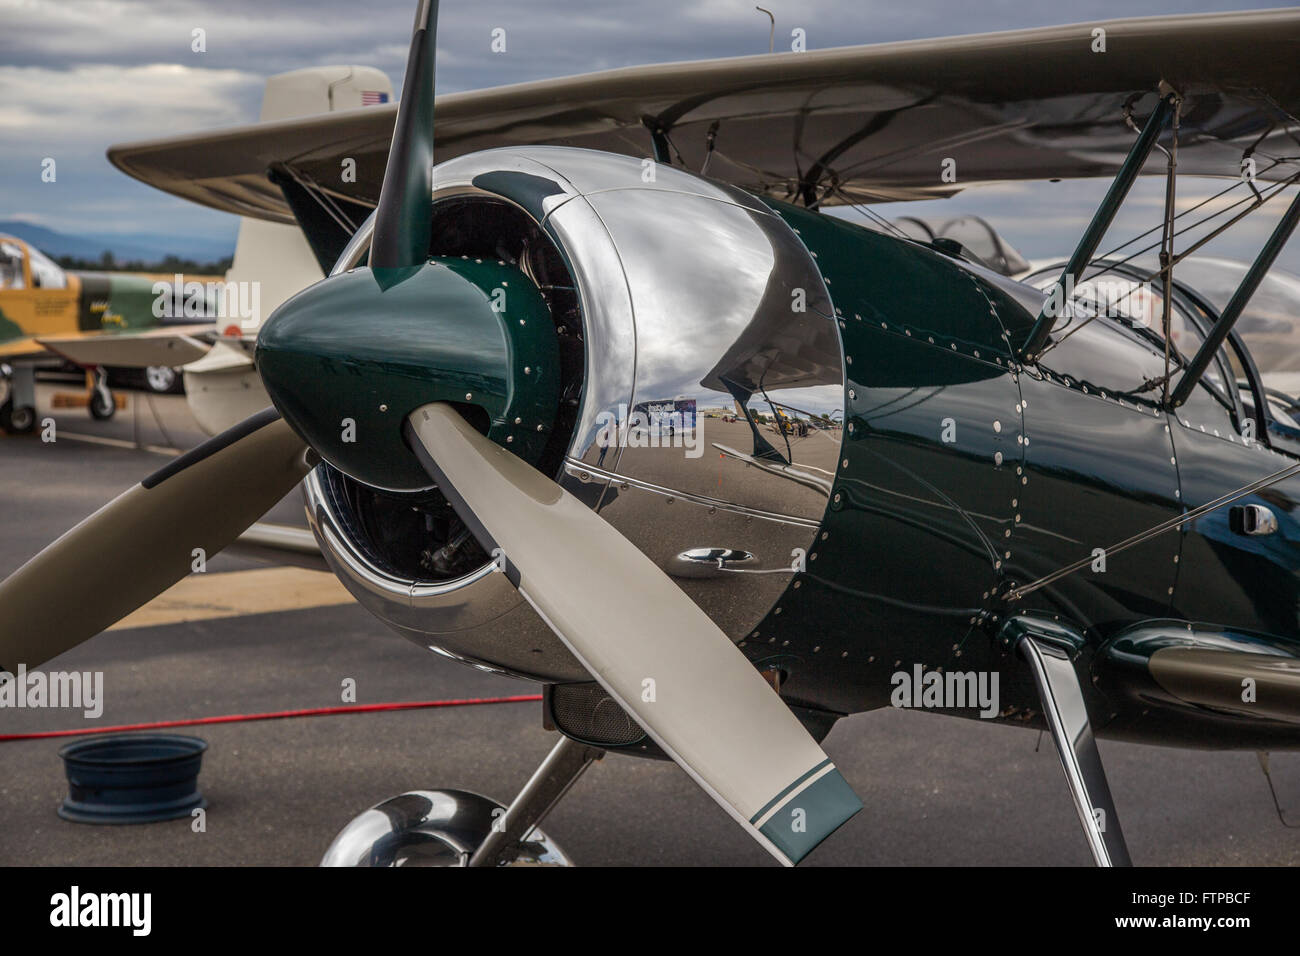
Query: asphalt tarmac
pixel 938 790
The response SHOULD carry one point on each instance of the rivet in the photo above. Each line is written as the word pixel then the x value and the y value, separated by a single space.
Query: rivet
pixel 468 396
pixel 509 439
pixel 997 426
pixel 519 421
pixel 997 458
pixel 528 370
pixel 383 408
pixel 541 428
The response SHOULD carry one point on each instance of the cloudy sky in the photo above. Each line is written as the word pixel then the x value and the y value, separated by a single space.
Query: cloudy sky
pixel 79 75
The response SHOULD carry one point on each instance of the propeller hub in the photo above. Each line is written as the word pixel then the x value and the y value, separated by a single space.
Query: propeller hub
pixel 346 360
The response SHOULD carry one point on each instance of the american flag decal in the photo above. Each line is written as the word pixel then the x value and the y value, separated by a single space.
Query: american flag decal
pixel 373 97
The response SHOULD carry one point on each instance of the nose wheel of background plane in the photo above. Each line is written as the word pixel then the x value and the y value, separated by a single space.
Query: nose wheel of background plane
pixel 18 410
pixel 103 405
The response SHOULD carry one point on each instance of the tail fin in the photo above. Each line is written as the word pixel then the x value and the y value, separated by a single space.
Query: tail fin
pixel 278 256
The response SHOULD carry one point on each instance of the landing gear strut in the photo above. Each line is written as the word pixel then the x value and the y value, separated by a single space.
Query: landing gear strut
pixel 18 411
pixel 103 405
pixel 552 780
pixel 1067 717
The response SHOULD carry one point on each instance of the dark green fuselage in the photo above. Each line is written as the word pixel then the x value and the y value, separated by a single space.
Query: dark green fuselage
pixel 964 473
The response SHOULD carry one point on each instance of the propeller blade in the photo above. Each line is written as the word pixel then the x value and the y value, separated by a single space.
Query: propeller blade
pixel 144 541
pixel 402 224
pixel 642 638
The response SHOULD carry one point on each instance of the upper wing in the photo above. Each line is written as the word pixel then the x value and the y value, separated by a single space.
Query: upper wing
pixel 880 120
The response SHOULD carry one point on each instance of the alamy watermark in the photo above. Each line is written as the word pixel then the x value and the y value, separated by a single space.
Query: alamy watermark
pixel 667 424
pixel 954 690
pixel 1108 299
pixel 71 690
pixel 208 300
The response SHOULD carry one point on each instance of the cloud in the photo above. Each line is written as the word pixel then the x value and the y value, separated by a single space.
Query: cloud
pixel 79 75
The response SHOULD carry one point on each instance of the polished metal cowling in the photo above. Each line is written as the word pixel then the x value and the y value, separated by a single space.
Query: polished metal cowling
pixel 701 311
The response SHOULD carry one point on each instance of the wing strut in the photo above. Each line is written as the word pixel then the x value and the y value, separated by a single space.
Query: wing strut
pixel 1232 312
pixel 1101 220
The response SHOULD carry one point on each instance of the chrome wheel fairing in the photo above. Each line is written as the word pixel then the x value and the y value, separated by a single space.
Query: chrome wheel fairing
pixel 431 828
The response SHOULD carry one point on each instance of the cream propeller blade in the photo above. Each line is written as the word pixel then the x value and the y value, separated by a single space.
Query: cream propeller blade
pixel 637 631
pixel 145 540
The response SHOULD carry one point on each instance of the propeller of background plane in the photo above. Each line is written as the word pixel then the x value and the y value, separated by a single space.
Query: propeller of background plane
pixel 639 635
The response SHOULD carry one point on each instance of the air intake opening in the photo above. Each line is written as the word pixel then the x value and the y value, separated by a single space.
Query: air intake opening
pixel 418 536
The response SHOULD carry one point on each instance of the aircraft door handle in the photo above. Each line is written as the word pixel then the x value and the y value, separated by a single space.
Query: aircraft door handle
pixel 1251 520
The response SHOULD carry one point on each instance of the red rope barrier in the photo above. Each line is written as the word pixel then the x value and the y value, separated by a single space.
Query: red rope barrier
pixel 278 715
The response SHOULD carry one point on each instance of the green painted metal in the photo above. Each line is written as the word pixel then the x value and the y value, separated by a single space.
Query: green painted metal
pixel 924 339
pixel 131 303
pixel 1101 221
pixel 402 223
pixel 811 815
pixel 370 347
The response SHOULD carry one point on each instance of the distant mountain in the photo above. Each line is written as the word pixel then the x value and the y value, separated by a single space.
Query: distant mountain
pixel 125 247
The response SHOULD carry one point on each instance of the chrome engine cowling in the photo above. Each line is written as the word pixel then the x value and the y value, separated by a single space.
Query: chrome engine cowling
pixel 678 301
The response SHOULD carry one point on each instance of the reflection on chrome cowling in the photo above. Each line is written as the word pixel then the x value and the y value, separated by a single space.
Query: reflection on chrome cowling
pixel 705 408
